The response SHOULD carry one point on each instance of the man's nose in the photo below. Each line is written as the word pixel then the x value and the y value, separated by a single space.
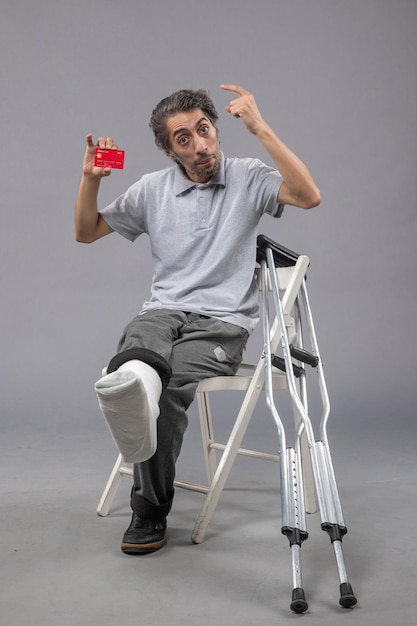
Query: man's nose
pixel 201 144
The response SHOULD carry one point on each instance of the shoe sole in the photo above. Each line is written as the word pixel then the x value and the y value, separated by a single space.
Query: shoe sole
pixel 143 548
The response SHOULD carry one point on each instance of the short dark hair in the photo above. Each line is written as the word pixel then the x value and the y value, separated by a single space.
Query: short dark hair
pixel 180 101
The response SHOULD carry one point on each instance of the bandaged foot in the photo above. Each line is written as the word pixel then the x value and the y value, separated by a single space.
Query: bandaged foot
pixel 129 400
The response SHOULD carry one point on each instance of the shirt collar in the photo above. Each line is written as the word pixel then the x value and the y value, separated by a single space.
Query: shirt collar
pixel 182 183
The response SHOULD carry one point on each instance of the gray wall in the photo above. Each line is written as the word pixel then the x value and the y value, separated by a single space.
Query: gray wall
pixel 336 79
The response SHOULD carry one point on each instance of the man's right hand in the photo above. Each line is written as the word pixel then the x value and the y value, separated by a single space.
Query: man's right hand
pixel 89 225
pixel 89 169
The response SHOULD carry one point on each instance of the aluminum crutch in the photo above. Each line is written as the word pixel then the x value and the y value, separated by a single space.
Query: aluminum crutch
pixel 324 478
pixel 331 510
pixel 292 498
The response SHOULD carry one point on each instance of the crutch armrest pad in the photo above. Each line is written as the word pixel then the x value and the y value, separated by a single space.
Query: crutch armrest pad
pixel 283 257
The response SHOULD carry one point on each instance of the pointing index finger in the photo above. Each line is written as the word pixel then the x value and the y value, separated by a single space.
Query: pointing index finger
pixel 235 88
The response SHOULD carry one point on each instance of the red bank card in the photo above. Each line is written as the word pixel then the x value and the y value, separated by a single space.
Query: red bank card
pixel 109 158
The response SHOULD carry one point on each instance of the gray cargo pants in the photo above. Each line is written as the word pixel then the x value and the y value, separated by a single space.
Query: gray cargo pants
pixel 196 347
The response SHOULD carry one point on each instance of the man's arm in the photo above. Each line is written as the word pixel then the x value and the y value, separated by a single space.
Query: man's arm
pixel 88 223
pixel 298 188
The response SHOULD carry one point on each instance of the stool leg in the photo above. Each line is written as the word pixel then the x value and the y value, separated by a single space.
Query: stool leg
pixel 111 487
pixel 207 435
pixel 226 461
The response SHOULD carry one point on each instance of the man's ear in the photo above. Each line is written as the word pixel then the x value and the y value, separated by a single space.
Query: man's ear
pixel 169 154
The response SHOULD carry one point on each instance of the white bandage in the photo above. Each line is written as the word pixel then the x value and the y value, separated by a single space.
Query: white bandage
pixel 129 400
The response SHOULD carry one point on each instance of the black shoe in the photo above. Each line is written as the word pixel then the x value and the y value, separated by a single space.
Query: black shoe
pixel 144 535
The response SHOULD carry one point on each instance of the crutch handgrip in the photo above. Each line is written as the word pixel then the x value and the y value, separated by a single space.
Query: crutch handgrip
pixel 304 356
pixel 279 363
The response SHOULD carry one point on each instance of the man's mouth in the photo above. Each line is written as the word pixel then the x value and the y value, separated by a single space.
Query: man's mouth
pixel 204 161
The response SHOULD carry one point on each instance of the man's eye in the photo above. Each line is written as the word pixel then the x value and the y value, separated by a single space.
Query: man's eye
pixel 182 140
pixel 204 129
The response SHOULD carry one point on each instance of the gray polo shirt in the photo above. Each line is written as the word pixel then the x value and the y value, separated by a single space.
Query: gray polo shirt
pixel 202 236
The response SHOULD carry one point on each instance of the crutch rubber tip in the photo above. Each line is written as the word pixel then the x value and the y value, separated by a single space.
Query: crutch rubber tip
pixel 298 604
pixel 347 597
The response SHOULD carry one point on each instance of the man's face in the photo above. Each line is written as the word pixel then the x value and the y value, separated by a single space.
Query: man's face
pixel 194 144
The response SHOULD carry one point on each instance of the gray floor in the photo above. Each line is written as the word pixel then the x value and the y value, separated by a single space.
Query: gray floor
pixel 61 563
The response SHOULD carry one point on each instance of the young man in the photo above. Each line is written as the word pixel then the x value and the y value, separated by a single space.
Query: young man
pixel 201 215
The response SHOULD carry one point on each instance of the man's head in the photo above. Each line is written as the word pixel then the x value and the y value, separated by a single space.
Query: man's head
pixel 181 101
pixel 184 125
